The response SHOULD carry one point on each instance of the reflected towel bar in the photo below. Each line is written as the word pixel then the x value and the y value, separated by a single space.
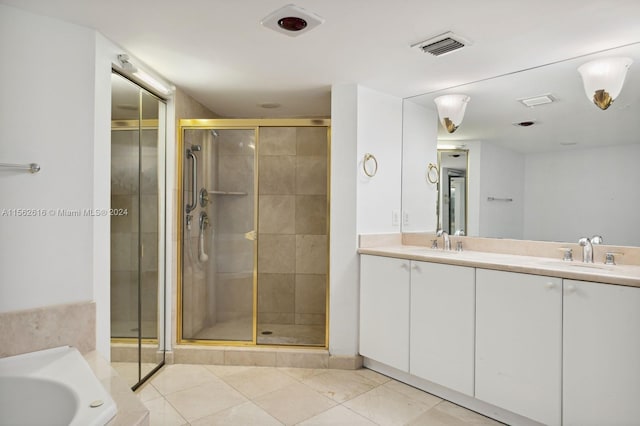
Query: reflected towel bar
pixel 32 167
pixel 499 199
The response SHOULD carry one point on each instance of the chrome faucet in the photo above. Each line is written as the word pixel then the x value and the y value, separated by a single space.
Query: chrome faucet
pixel 445 239
pixel 587 250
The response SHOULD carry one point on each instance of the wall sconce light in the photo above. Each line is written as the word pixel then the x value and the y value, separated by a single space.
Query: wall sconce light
pixel 451 110
pixel 603 79
pixel 143 76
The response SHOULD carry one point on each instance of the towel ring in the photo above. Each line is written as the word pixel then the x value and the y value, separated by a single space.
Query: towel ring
pixel 368 157
pixel 430 169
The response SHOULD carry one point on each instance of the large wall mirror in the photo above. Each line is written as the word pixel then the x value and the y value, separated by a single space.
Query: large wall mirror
pixel 572 172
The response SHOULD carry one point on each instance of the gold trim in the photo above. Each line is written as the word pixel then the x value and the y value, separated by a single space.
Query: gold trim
pixel 240 124
pixel 134 340
pixel 135 124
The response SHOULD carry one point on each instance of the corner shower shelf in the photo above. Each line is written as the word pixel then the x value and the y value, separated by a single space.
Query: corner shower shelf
pixel 226 193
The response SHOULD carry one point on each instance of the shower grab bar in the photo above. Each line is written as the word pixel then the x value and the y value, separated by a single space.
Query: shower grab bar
pixel 32 167
pixel 194 178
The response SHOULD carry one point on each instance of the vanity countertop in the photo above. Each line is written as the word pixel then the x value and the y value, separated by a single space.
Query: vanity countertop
pixel 628 275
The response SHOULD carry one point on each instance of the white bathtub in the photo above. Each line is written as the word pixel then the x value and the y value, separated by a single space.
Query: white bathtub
pixel 52 387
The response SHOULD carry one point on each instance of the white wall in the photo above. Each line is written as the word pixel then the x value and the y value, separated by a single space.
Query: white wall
pixel 362 121
pixel 500 174
pixel 379 132
pixel 419 140
pixel 603 181
pixel 343 256
pixel 47 113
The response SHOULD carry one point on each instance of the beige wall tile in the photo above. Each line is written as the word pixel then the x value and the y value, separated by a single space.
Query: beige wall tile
pixel 277 214
pixel 311 175
pixel 345 362
pixel 311 254
pixel 311 291
pixel 236 142
pixel 235 174
pixel 278 141
pixel 311 141
pixel 310 319
pixel 311 214
pixel 265 318
pixel 276 253
pixel 235 214
pixel 277 175
pixel 244 357
pixel 302 359
pixel 234 253
pixel 36 329
pixel 234 295
pixel 276 292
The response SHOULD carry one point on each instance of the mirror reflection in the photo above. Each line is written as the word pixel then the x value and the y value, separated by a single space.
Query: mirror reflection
pixel 567 168
pixel 452 196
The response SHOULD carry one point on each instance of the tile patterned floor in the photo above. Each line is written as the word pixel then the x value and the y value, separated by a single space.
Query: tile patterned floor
pixel 201 395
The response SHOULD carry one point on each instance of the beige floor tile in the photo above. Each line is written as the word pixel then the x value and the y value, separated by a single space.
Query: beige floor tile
pixel 147 392
pixel 204 400
pixel 340 385
pixel 373 375
pixel 161 413
pixel 226 370
pixel 386 406
pixel 258 381
pixel 302 373
pixel 178 377
pixel 413 393
pixel 294 403
pixel 448 414
pixel 240 415
pixel 337 416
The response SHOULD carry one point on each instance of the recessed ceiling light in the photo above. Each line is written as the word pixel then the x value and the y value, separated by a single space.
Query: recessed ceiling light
pixel 292 20
pixel 537 100
pixel 568 143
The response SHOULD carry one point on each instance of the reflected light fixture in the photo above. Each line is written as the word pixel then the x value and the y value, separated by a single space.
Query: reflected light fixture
pixel 451 110
pixel 603 79
pixel 142 75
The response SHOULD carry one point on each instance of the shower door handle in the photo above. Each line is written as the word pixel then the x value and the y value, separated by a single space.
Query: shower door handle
pixel 194 181
pixel 251 235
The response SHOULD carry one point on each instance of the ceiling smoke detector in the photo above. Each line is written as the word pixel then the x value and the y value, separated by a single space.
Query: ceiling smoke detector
pixel 442 44
pixel 292 20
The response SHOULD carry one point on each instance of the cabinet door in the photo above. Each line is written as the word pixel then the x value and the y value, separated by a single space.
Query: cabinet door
pixel 601 344
pixel 384 310
pixel 443 324
pixel 518 343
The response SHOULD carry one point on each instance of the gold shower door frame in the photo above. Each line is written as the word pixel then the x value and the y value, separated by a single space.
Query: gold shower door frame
pixel 242 124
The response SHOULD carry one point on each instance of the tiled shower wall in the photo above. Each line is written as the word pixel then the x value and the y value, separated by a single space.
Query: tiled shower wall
pixel 292 224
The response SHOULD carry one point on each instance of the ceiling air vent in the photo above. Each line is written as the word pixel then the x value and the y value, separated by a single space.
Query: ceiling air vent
pixel 442 44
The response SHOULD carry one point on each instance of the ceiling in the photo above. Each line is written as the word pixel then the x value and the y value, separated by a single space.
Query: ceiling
pixel 217 51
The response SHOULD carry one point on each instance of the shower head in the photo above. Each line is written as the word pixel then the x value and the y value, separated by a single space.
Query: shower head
pixel 215 133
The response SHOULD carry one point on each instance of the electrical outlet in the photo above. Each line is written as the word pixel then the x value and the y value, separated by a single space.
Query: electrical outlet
pixel 395 217
pixel 405 218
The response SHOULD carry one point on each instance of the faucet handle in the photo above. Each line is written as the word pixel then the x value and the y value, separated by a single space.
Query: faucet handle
pixel 597 239
pixel 434 244
pixel 609 257
pixel 568 254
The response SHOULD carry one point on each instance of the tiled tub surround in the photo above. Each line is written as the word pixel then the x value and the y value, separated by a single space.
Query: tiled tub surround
pixel 532 257
pixel 40 328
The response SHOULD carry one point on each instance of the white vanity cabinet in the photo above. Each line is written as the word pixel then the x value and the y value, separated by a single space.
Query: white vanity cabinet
pixel 518 343
pixel 443 324
pixel 601 344
pixel 384 310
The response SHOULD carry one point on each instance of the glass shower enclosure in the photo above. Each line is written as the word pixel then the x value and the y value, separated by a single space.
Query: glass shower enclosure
pixel 253 214
pixel 137 223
